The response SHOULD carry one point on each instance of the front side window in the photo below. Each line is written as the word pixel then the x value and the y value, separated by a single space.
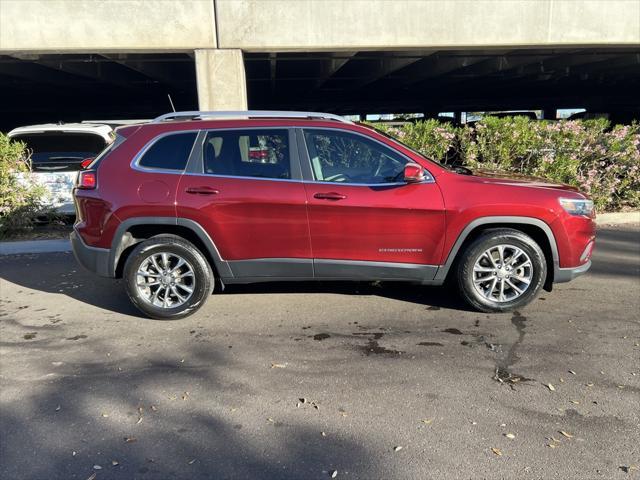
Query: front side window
pixel 248 153
pixel 344 157
pixel 170 152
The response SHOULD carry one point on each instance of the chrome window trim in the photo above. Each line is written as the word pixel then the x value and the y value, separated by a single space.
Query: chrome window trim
pixel 138 156
pixel 214 175
pixel 431 178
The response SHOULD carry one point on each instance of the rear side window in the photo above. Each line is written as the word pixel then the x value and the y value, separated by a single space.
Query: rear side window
pixel 170 152
pixel 248 153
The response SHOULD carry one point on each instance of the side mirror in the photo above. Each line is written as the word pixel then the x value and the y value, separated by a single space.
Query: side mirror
pixel 413 173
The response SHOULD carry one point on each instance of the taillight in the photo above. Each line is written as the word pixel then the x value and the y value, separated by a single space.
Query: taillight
pixel 87 180
pixel 86 162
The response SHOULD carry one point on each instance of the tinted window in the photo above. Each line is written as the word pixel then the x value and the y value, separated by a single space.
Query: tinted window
pixel 61 147
pixel 348 158
pixel 170 152
pixel 248 153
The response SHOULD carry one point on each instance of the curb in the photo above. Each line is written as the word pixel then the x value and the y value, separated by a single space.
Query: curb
pixel 618 218
pixel 35 246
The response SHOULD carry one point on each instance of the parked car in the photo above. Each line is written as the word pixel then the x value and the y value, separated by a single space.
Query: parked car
pixel 57 152
pixel 181 204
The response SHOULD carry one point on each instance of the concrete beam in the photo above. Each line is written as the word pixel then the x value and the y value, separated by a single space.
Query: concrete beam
pixel 221 80
pixel 106 25
pixel 257 25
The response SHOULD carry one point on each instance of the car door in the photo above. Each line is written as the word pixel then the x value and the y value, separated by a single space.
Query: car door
pixel 364 220
pixel 245 190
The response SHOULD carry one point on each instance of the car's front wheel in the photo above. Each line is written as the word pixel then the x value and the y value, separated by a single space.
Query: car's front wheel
pixel 167 278
pixel 502 270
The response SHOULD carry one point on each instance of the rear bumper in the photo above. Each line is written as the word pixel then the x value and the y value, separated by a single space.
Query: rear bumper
pixel 567 274
pixel 94 259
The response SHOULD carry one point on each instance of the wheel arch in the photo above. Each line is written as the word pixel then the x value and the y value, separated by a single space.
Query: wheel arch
pixel 137 229
pixel 535 228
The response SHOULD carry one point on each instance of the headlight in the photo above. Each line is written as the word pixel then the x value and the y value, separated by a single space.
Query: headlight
pixel 577 206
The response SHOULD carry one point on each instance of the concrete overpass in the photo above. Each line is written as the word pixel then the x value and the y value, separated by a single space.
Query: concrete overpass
pixel 88 58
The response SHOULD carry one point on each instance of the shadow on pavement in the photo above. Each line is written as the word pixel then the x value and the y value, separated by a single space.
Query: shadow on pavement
pixel 617 254
pixel 58 273
pixel 189 426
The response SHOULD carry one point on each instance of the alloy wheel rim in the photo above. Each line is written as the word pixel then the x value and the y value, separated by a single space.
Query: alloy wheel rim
pixel 502 273
pixel 165 280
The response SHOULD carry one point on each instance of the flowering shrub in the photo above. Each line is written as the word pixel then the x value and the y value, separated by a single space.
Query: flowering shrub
pixel 21 199
pixel 603 162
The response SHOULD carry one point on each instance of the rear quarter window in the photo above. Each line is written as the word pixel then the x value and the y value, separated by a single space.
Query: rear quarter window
pixel 170 152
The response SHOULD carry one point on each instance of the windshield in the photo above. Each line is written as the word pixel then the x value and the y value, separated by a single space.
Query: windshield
pixel 64 149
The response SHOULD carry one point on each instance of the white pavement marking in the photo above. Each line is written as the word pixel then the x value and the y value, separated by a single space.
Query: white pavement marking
pixel 35 246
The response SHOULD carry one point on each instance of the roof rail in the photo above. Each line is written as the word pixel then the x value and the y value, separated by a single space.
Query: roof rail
pixel 247 114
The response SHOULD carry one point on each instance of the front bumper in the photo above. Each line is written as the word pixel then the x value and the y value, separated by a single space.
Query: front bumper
pixel 562 275
pixel 94 259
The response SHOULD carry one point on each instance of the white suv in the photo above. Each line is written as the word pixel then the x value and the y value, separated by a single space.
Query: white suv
pixel 57 152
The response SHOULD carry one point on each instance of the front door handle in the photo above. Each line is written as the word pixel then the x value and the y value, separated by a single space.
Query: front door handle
pixel 202 191
pixel 330 196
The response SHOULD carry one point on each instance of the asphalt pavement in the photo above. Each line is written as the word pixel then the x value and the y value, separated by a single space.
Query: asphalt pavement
pixel 306 381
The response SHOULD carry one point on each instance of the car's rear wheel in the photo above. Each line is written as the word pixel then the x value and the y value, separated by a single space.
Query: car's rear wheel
pixel 167 278
pixel 502 270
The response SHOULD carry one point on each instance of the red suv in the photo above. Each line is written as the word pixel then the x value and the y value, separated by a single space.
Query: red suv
pixel 197 199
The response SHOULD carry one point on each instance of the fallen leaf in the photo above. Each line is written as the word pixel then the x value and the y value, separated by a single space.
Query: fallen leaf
pixel 510 436
pixel 191 462
pixel 551 387
pixel 565 434
pixel 497 451
pixel 139 421
pixel 130 439
pixel 561 380
pixel 278 365
pixel 397 449
pixel 154 408
pixel 334 474
pixel 572 372
pixel 551 445
pixel 270 420
pixel 185 395
pixel 589 384
pixel 115 463
pixel 105 415
pixel 427 421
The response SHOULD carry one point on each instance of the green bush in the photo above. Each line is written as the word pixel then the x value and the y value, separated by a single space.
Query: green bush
pixel 603 162
pixel 21 198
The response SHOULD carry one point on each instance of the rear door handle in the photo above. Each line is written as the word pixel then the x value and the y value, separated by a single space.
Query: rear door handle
pixel 330 196
pixel 202 191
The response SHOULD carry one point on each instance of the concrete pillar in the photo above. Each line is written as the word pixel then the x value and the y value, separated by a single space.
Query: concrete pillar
pixel 221 79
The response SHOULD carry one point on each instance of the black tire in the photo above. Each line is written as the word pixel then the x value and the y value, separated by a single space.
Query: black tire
pixel 488 239
pixel 203 279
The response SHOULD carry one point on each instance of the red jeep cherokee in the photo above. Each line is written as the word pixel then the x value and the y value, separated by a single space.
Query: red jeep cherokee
pixel 198 198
